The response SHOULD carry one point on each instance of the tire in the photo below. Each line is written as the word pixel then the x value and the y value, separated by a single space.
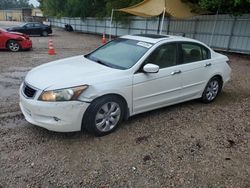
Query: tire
pixel 103 115
pixel 45 33
pixel 212 90
pixel 13 46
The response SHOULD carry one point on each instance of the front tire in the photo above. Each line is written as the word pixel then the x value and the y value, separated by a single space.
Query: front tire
pixel 103 115
pixel 13 46
pixel 212 90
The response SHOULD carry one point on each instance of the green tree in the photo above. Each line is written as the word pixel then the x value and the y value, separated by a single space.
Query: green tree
pixel 72 8
pixel 9 4
pixel 102 8
pixel 118 4
pixel 234 7
pixel 83 8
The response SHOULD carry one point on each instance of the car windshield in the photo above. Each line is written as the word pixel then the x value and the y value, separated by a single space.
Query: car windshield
pixel 120 53
pixel 23 24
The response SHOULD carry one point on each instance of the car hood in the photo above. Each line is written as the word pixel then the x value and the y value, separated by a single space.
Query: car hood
pixel 69 72
pixel 13 28
pixel 15 35
pixel 18 34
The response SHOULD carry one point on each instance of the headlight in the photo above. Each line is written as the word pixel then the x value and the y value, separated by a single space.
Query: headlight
pixel 67 94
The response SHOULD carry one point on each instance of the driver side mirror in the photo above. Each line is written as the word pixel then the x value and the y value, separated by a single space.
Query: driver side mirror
pixel 151 68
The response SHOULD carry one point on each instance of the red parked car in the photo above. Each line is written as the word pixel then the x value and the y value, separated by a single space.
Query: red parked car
pixel 14 41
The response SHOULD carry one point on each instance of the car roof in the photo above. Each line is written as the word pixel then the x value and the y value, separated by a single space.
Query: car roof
pixel 32 23
pixel 154 38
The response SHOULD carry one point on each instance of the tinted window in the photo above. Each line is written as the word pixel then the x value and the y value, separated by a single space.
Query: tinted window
pixel 37 25
pixel 193 52
pixel 163 56
pixel 205 53
pixel 29 25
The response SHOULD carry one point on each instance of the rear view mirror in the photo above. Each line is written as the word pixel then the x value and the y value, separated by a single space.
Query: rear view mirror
pixel 151 68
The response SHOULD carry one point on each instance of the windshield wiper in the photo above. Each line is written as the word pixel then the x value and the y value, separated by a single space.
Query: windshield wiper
pixel 102 63
pixel 98 61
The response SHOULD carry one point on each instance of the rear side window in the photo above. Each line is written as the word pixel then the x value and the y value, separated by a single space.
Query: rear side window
pixel 191 52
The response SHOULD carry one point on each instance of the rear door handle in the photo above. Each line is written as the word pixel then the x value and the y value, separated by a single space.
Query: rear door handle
pixel 176 72
pixel 208 64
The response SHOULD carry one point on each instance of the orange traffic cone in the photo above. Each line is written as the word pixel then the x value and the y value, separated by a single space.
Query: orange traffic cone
pixel 104 39
pixel 51 48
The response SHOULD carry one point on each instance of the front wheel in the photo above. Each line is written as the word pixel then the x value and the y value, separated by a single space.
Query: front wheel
pixel 103 115
pixel 13 46
pixel 213 88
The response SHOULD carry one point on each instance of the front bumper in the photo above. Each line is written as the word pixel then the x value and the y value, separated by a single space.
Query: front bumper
pixel 54 116
pixel 26 44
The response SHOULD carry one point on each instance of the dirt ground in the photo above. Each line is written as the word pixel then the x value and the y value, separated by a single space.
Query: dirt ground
pixel 186 145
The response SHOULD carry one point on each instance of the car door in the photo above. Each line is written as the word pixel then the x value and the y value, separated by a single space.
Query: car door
pixel 28 28
pixel 37 29
pixel 154 90
pixel 195 67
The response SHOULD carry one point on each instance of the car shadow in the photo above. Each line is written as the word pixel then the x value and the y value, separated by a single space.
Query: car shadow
pixel 128 123
pixel 39 36
pixel 20 51
pixel 137 118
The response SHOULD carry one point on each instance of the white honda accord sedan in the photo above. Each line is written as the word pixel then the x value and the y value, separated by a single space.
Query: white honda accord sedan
pixel 127 76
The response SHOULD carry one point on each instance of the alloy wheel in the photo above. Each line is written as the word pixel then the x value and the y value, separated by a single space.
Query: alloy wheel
pixel 14 46
pixel 107 116
pixel 212 90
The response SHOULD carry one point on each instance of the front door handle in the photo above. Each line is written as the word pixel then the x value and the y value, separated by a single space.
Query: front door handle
pixel 208 64
pixel 176 72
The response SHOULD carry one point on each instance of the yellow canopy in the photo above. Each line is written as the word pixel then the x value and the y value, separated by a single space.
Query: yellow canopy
pixel 150 8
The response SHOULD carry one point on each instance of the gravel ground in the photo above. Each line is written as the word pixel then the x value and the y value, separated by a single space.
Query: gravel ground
pixel 186 145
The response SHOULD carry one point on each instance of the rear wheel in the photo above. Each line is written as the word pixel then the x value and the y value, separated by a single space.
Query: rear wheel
pixel 104 115
pixel 212 90
pixel 45 33
pixel 13 46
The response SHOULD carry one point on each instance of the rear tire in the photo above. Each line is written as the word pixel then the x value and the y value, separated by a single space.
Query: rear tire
pixel 13 46
pixel 212 90
pixel 103 115
pixel 45 33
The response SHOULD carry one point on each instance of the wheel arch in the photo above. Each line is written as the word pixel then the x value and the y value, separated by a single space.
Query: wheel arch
pixel 7 41
pixel 124 101
pixel 6 44
pixel 126 108
pixel 219 76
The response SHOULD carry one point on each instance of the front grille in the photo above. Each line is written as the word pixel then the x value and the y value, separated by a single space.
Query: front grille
pixel 28 91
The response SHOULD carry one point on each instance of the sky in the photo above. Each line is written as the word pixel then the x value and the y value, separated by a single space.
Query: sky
pixel 34 2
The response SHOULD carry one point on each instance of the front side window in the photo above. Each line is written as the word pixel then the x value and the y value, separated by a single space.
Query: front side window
pixel 120 53
pixel 37 24
pixel 164 56
pixel 193 52
pixel 29 25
